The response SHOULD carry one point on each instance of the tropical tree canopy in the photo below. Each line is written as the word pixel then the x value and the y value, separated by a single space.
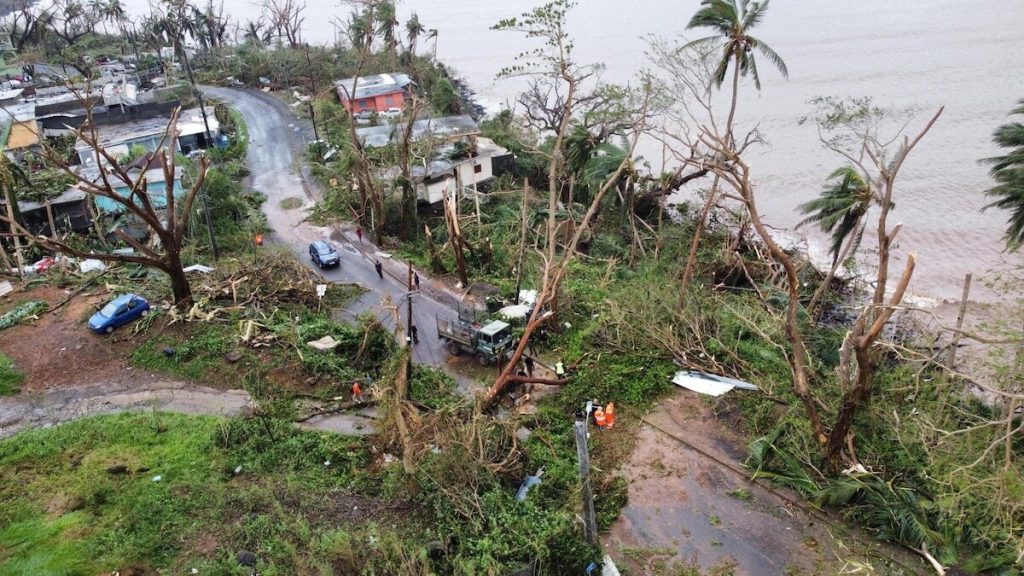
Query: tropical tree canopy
pixel 1008 172
pixel 731 21
pixel 840 208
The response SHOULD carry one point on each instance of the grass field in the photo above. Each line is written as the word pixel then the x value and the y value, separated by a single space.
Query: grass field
pixel 137 493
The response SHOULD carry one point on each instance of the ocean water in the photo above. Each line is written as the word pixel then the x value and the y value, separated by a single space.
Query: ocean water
pixel 963 54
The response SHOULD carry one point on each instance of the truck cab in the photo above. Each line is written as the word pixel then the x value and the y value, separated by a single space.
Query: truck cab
pixel 487 342
pixel 494 339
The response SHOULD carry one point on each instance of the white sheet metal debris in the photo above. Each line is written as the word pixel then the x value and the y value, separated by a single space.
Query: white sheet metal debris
pixel 324 344
pixel 710 384
pixel 6 288
pixel 528 297
pixel 91 265
pixel 515 311
pixel 198 268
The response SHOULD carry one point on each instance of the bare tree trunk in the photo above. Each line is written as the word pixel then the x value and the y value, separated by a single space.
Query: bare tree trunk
pixel 436 264
pixel 826 284
pixel 180 287
pixel 959 322
pixel 863 339
pixel 19 257
pixel 698 234
pixel 798 357
pixel 455 238
pixel 49 218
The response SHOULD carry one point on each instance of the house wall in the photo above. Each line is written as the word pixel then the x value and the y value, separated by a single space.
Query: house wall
pixel 379 103
pixel 477 170
pixel 433 192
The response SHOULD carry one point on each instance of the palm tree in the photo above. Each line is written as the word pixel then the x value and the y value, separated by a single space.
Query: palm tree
pixel 840 211
pixel 432 34
pixel 731 20
pixel 413 30
pixel 1008 172
pixel 387 22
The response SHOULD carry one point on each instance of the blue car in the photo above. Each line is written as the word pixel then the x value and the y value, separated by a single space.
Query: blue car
pixel 119 311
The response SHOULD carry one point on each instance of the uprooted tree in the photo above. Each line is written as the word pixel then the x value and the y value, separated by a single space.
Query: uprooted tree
pixel 165 216
pixel 600 111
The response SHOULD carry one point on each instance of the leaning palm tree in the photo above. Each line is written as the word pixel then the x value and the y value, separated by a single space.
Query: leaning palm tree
pixel 1008 172
pixel 432 35
pixel 731 21
pixel 387 22
pixel 413 30
pixel 840 211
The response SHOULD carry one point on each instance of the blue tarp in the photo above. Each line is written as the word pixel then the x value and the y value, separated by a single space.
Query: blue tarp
pixel 157 195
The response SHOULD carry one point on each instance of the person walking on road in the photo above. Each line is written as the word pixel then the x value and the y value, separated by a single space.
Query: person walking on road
pixel 529 366
pixel 379 267
pixel 415 334
pixel 359 234
pixel 416 281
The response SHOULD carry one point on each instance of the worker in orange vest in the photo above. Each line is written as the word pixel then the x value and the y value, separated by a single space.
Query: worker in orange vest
pixel 259 239
pixel 600 419
pixel 609 416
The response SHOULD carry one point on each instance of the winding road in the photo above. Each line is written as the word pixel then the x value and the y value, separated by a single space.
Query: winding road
pixel 277 140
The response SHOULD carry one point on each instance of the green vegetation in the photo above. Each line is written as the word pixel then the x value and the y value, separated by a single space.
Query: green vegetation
pixel 10 378
pixel 21 312
pixel 119 492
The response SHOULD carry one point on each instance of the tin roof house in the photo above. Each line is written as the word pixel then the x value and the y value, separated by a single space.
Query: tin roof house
pixel 377 92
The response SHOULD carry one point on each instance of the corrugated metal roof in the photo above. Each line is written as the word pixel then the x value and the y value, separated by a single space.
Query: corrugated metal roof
pixel 369 86
pixel 446 128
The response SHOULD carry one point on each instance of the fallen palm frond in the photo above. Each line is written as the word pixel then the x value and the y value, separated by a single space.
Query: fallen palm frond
pixel 24 311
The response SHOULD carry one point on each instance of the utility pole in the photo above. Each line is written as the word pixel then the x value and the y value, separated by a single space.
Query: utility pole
pixel 206 136
pixel 312 96
pixel 522 241
pixel 408 328
pixel 589 516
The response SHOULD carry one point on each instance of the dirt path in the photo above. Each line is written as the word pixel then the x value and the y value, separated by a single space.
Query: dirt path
pixel 50 407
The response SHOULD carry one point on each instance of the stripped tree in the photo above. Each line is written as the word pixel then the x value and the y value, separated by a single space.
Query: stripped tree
pixel 165 216
pixel 569 105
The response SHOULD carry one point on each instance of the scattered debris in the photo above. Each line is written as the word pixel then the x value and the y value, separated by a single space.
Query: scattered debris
pixel 710 384
pixel 117 469
pixel 245 558
pixel 530 482
pixel 515 311
pixel 24 310
pixel 528 297
pixel 6 288
pixel 157 478
pixel 324 344
pixel 198 268
pixel 91 265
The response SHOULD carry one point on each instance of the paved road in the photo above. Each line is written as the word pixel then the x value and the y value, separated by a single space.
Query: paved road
pixel 277 141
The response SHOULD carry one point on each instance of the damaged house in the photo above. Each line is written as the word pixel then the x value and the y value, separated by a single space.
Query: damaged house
pixel 460 159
